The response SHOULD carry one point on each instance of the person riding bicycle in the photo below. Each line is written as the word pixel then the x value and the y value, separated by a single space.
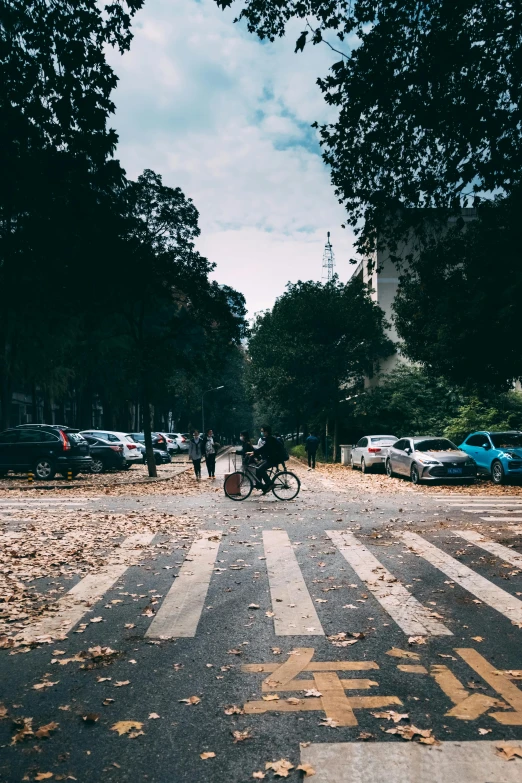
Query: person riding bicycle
pixel 246 449
pixel 269 452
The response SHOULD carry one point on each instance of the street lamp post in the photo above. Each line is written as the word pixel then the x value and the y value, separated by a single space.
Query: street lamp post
pixel 203 406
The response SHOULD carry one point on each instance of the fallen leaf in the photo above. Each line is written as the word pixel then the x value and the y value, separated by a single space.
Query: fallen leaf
pixel 153 716
pixel 3 711
pixel 45 684
pixel 270 697
pixel 240 736
pixel 193 700
pixel 259 775
pixel 233 709
pixel 235 652
pixel 121 683
pixel 508 752
pixel 126 726
pixel 276 650
pixel 106 702
pixel 484 731
pixel 254 606
pixel 478 638
pixel 270 614
pixel 313 692
pixel 293 700
pixel 417 640
pixel 44 731
pixel 280 768
pixel 330 722
pixel 207 755
pixel 395 652
pixel 91 717
pixel 307 769
pixel 43 775
pixel 96 619
pixel 130 625
pixel 392 715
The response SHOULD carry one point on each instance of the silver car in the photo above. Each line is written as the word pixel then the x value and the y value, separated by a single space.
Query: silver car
pixel 429 459
pixel 371 451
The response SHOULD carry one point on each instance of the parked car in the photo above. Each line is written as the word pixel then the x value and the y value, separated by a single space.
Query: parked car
pixel 164 442
pixel 181 441
pixel 130 447
pixel 105 455
pixel 161 456
pixel 371 451
pixel 497 454
pixel 429 459
pixel 45 450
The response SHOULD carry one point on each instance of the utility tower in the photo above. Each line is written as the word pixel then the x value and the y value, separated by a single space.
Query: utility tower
pixel 328 260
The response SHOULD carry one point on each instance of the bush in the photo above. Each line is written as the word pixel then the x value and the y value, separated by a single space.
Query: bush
pixel 298 451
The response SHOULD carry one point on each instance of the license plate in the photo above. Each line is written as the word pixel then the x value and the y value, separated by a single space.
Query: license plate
pixel 454 471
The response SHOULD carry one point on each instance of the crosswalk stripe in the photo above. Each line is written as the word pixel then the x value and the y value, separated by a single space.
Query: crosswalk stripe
pixel 502 519
pixel 295 613
pixel 503 552
pixel 475 584
pixel 180 612
pixel 410 615
pixel 485 509
pixel 77 601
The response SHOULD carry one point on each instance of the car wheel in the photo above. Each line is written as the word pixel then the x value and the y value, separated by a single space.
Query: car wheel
pixel 97 465
pixel 44 469
pixel 497 473
pixel 414 475
pixel 157 459
pixel 364 469
pixel 127 466
pixel 388 468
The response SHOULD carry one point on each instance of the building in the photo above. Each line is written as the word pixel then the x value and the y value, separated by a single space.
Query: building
pixel 381 276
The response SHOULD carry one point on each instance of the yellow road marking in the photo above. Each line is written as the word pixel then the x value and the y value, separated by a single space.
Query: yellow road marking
pixel 499 683
pixel 319 666
pixel 334 701
pixel 447 681
pixel 286 671
pixel 411 668
pixel 309 705
pixel 305 685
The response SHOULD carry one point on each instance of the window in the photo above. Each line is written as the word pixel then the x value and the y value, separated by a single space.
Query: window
pixel 384 440
pixel 477 440
pixel 30 436
pixel 401 444
pixel 362 443
pixel 112 438
pixel 507 440
pixel 48 437
pixel 435 444
pixel 11 436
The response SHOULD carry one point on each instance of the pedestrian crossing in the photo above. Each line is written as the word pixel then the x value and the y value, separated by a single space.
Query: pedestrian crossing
pixel 291 607
pixel 490 509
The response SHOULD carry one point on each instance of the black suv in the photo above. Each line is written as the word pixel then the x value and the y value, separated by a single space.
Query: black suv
pixel 44 449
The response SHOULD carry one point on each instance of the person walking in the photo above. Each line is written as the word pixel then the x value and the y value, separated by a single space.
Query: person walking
pixel 311 446
pixel 196 453
pixel 210 450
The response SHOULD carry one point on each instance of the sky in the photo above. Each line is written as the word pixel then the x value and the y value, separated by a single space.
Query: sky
pixel 227 118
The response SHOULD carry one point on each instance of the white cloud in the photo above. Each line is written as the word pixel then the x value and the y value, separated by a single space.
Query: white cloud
pixel 227 118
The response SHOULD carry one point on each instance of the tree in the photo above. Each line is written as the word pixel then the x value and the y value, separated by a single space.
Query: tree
pixel 429 99
pixel 315 346
pixel 459 309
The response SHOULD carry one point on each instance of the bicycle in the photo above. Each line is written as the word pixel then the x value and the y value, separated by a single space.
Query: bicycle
pixel 239 485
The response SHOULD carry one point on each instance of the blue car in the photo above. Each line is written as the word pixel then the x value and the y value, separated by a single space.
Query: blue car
pixel 497 454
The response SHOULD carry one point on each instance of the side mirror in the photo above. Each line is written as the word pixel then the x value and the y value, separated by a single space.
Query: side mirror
pixel 486 446
pixel 407 450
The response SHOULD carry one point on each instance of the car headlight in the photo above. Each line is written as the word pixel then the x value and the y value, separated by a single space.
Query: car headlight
pixel 428 461
pixel 470 462
pixel 511 456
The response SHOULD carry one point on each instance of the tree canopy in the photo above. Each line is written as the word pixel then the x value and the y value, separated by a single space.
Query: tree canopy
pixel 428 94
pixel 458 310
pixel 315 346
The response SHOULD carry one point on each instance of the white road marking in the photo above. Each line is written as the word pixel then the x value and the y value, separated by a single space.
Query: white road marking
pixel 450 762
pixel 295 613
pixel 77 601
pixel 477 585
pixel 410 615
pixel 502 519
pixel 485 509
pixel 503 552
pixel 180 612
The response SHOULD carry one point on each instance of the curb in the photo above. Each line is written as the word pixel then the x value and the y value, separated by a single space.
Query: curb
pixel 147 480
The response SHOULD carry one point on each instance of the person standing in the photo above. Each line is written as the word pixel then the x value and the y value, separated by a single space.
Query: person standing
pixel 210 449
pixel 311 446
pixel 196 453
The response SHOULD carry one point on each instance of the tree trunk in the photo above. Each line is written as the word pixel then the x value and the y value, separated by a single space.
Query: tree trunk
pixel 47 408
pixel 149 453
pixel 335 438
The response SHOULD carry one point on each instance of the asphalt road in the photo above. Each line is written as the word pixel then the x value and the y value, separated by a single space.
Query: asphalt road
pixel 386 605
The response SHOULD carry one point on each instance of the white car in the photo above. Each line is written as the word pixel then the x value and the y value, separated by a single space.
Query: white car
pixel 371 451
pixel 181 442
pixel 131 451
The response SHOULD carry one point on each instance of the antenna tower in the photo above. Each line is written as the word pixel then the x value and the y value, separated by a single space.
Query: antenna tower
pixel 328 260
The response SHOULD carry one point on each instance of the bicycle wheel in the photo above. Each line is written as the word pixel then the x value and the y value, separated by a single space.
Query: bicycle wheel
pixel 285 485
pixel 238 486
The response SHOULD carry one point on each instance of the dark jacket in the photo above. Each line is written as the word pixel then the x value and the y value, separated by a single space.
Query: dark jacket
pixel 312 444
pixel 269 451
pixel 245 448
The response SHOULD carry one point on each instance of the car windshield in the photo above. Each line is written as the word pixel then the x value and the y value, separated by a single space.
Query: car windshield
pixel 130 438
pixel 507 440
pixel 435 444
pixel 137 436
